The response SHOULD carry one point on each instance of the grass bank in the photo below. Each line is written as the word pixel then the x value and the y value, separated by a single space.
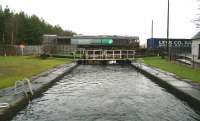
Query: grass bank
pixel 178 69
pixel 14 68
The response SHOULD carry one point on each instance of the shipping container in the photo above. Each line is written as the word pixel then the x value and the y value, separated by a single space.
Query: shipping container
pixel 155 43
pixel 176 46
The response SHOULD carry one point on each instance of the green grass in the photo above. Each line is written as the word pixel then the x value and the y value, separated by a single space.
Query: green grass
pixel 178 69
pixel 14 68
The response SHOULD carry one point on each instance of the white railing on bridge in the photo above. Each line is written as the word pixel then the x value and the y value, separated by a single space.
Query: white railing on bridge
pixel 106 54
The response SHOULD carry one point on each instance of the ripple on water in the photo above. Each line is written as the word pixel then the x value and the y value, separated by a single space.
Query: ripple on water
pixel 106 93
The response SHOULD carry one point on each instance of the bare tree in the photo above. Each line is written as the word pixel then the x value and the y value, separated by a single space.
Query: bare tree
pixel 197 19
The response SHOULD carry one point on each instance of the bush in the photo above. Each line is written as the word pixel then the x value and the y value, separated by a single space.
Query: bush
pixel 44 56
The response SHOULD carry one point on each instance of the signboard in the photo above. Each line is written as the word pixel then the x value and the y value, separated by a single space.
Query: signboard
pixel 22 46
pixel 162 43
pixel 178 43
pixel 22 49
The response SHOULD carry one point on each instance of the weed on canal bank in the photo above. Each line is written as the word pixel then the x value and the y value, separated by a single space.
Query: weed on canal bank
pixel 178 69
pixel 14 68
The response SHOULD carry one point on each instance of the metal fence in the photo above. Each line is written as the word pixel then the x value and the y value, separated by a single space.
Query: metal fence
pixel 11 50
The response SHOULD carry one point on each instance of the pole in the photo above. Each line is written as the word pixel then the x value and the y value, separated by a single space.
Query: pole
pixel 4 45
pixel 152 36
pixel 74 54
pixel 22 51
pixel 152 29
pixel 12 40
pixel 168 48
pixel 3 38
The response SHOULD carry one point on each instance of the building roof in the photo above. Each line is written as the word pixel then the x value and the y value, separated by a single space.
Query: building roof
pixel 197 36
pixel 100 37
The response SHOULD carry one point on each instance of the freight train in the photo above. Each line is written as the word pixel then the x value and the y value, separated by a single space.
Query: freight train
pixel 92 42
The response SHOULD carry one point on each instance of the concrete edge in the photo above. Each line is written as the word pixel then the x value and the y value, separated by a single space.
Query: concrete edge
pixel 20 101
pixel 184 96
pixel 38 92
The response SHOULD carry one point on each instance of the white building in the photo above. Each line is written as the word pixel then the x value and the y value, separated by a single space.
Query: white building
pixel 196 47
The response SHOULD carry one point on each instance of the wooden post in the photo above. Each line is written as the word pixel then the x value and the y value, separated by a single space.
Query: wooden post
pixel 106 54
pixel 12 40
pixel 80 54
pixel 86 54
pixel 22 51
pixel 74 55
pixel 100 54
pixel 193 61
pixel 103 54
pixel 113 55
pixel 93 52
pixel 4 48
pixel 133 54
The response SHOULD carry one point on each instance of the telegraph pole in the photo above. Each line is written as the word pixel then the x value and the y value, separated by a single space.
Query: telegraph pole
pixel 152 29
pixel 152 34
pixel 168 48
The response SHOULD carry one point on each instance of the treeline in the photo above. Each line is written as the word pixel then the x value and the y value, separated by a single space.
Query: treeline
pixel 19 28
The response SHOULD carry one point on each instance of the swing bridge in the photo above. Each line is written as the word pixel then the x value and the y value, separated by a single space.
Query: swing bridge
pixel 101 56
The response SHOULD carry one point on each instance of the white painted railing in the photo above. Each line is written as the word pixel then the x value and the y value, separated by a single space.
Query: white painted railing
pixel 107 54
pixel 20 87
pixel 4 105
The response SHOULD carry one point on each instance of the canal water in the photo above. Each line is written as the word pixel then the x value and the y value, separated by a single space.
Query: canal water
pixel 106 93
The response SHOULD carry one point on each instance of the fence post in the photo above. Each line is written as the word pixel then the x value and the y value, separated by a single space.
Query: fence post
pixel 74 55
pixel 193 61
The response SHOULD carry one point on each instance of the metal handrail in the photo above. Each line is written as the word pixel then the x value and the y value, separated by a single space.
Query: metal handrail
pixel 24 89
pixel 29 85
pixel 4 105
pixel 22 83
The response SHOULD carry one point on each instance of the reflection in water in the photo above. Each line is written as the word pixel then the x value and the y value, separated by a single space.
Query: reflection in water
pixel 106 93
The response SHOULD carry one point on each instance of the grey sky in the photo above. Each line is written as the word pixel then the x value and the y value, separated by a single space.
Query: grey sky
pixel 115 17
